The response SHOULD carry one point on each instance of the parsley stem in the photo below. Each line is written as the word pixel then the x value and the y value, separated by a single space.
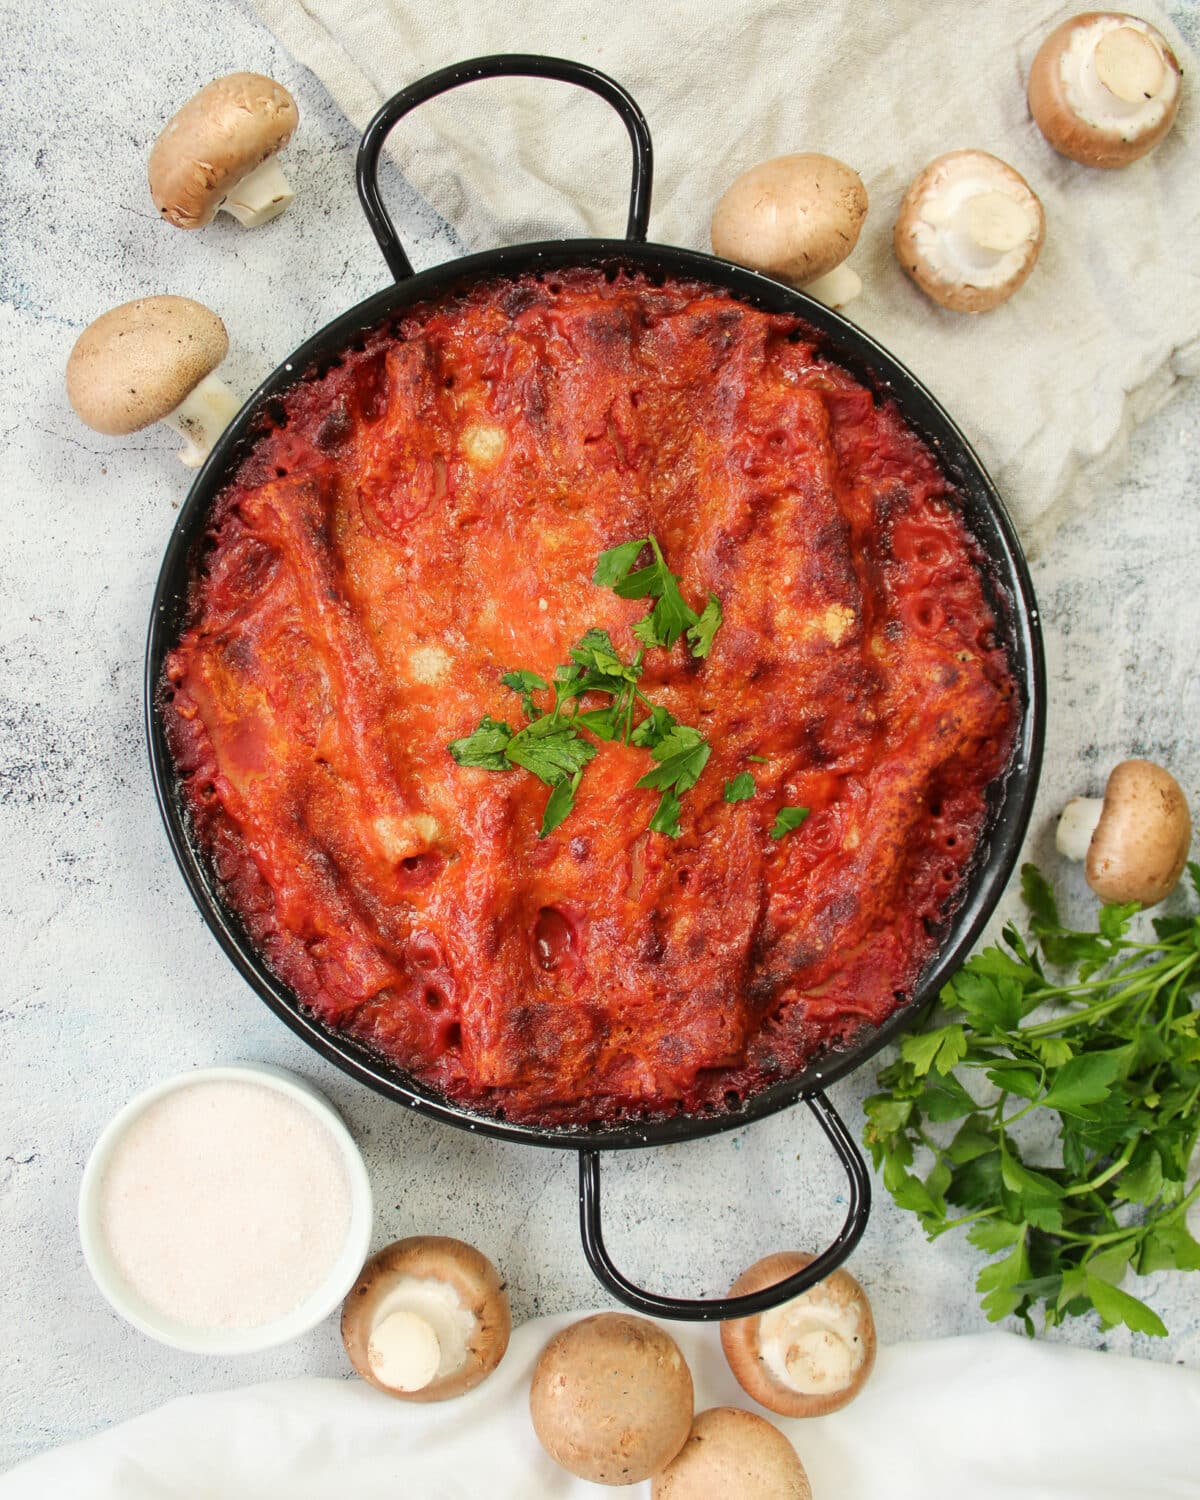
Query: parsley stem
pixel 1107 980
pixel 1110 1171
pixel 980 1213
pixel 1104 1007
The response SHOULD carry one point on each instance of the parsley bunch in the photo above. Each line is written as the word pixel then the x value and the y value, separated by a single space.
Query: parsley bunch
pixel 1108 1054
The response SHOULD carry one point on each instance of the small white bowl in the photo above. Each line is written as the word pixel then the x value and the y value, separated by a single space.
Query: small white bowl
pixel 225 1341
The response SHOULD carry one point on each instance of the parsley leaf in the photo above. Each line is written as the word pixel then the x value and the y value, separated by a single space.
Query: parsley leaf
pixel 1115 1306
pixel 596 652
pixel 559 804
pixel 602 722
pixel 653 728
pixel 1086 1043
pixel 700 635
pixel 671 615
pixel 485 747
pixel 551 748
pixel 525 683
pixel 682 754
pixel 741 788
pixel 786 819
pixel 613 566
pixel 666 815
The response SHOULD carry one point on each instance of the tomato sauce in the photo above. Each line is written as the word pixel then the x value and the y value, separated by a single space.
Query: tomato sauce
pixel 424 515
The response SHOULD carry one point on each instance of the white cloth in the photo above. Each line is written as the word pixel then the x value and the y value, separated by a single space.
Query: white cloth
pixel 1048 387
pixel 992 1417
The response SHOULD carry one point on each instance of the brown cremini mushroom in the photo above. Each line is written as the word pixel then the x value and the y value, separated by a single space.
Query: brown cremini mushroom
pixel 796 218
pixel 218 152
pixel 152 360
pixel 1104 88
pixel 611 1399
pixel 1135 839
pixel 733 1453
pixel 427 1319
pixel 969 231
pixel 809 1356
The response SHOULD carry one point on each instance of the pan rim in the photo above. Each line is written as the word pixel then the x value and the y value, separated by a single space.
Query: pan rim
pixel 1012 795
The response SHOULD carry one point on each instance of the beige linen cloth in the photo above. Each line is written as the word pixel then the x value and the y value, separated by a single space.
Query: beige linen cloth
pixel 991 1417
pixel 1048 387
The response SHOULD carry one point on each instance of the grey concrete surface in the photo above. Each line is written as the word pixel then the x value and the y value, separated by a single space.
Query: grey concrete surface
pixel 108 978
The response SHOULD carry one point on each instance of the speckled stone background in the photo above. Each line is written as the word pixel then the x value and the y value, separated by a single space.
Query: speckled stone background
pixel 109 978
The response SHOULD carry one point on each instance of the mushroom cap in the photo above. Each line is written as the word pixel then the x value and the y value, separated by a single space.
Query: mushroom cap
pixel 795 217
pixel 430 1270
pixel 222 133
pixel 730 1452
pixel 137 362
pixel 1141 842
pixel 810 1356
pixel 611 1398
pixel 937 253
pixel 1075 109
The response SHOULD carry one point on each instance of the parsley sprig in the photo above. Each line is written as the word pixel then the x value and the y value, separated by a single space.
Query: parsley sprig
pixel 671 615
pixel 1096 1034
pixel 551 742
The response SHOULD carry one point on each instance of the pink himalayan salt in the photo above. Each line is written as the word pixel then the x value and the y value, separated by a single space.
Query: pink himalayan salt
pixel 225 1204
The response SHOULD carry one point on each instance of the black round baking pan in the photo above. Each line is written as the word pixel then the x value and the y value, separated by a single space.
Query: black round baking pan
pixel 1006 582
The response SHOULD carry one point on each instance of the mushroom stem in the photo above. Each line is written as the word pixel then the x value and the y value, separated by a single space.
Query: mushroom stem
pixel 836 287
pixel 818 1360
pixel 1076 826
pixel 201 417
pixel 404 1351
pixel 262 195
pixel 1129 65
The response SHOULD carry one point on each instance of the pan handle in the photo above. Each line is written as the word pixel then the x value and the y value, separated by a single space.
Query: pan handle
pixel 721 1308
pixel 502 65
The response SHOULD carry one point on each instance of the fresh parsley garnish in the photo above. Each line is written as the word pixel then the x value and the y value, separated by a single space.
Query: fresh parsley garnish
pixel 526 683
pixel 485 748
pixel 551 744
pixel 560 803
pixel 671 615
pixel 657 724
pixel 786 819
pixel 700 635
pixel 682 754
pixel 741 788
pixel 1095 1037
pixel 666 815
pixel 551 748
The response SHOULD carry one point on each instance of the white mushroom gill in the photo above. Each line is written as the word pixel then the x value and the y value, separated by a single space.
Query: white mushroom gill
pixel 419 1318
pixel 201 417
pixel 1115 76
pixel 975 228
pixel 262 195
pixel 812 1344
